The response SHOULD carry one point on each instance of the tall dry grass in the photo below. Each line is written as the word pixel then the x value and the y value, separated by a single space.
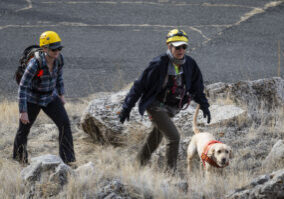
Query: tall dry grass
pixel 9 113
pixel 119 163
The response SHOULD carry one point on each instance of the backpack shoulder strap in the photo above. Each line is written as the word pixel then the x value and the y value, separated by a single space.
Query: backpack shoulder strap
pixel 60 61
pixel 38 58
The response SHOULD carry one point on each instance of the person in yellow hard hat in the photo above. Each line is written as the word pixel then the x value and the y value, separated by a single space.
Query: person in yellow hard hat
pixel 165 87
pixel 42 88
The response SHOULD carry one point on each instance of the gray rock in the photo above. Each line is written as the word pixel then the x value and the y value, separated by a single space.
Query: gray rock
pixel 32 172
pixel 47 161
pixel 275 158
pixel 270 186
pixel 259 95
pixel 61 174
pixel 46 171
pixel 38 165
pixel 100 119
pixel 101 122
pixel 85 169
pixel 113 189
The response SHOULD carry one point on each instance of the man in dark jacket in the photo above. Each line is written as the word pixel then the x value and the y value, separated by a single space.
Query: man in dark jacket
pixel 167 85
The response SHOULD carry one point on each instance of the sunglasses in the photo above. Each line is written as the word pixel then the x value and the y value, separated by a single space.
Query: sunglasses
pixel 57 49
pixel 181 47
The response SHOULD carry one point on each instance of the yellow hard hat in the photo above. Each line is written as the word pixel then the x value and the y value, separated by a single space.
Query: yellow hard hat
pixel 50 39
pixel 177 36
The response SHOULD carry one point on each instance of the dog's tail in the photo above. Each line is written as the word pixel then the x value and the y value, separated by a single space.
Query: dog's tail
pixel 194 125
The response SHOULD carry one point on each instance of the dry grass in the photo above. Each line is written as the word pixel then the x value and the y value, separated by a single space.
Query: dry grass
pixel 111 163
pixel 8 113
pixel 116 163
pixel 11 184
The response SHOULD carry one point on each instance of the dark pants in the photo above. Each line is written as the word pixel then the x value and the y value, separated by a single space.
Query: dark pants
pixel 163 127
pixel 56 111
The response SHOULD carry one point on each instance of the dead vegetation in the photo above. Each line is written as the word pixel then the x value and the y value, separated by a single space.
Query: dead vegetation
pixel 119 162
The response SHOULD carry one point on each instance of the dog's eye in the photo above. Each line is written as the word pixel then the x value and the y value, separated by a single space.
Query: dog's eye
pixel 219 151
pixel 226 151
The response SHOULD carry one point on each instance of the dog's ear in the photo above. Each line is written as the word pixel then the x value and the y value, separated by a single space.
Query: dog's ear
pixel 211 152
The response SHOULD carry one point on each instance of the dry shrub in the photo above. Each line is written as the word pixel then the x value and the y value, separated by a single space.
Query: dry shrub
pixel 9 113
pixel 119 163
pixel 11 184
pixel 114 163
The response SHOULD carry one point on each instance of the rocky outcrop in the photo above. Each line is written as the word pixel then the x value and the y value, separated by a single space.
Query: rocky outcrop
pixel 114 188
pixel 46 176
pixel 275 158
pixel 270 186
pixel 41 164
pixel 101 122
pixel 259 95
pixel 48 173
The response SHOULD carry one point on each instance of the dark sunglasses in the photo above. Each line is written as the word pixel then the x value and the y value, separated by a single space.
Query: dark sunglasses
pixel 56 49
pixel 179 47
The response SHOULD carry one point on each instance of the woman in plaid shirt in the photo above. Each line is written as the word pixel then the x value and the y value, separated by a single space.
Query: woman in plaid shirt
pixel 42 87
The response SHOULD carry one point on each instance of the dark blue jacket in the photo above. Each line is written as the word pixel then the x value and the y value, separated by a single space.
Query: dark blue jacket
pixel 150 83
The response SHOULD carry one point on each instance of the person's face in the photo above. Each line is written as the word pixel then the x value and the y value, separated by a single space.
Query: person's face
pixel 53 53
pixel 177 51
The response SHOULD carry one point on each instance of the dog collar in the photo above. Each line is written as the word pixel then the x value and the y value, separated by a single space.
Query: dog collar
pixel 204 156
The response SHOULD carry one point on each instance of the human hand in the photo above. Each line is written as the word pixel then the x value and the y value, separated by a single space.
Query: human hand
pixel 62 99
pixel 124 114
pixel 24 118
pixel 206 113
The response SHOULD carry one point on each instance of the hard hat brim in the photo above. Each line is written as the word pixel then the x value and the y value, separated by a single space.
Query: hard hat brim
pixel 55 45
pixel 179 43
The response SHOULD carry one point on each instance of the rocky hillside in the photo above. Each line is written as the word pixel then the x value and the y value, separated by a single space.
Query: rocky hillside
pixel 247 115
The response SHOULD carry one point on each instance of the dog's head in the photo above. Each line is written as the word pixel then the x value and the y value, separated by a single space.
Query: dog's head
pixel 220 153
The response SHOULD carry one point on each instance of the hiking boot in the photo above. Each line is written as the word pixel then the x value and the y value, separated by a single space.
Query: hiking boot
pixel 73 165
pixel 22 161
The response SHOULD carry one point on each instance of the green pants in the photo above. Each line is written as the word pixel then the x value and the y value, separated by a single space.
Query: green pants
pixel 163 127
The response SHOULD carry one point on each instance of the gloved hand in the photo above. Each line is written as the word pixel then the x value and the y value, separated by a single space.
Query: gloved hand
pixel 206 113
pixel 124 114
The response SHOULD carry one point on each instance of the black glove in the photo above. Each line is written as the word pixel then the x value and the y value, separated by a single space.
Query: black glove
pixel 206 113
pixel 124 114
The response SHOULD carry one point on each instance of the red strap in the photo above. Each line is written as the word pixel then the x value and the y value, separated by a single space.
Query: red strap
pixel 40 73
pixel 174 86
pixel 204 156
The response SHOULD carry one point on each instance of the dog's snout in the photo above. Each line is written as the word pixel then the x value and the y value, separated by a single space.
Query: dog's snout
pixel 223 160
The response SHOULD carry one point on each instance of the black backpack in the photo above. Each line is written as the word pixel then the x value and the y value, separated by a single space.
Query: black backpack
pixel 29 53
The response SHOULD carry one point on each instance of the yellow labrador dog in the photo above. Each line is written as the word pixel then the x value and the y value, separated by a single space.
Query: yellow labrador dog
pixel 213 154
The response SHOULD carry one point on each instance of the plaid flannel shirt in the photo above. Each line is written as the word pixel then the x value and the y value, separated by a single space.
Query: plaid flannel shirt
pixel 40 90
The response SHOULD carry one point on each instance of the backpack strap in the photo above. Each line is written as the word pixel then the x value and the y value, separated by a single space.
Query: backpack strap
pixel 60 61
pixel 38 59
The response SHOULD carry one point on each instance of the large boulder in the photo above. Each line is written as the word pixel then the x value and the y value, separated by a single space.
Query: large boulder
pixel 100 120
pixel 259 95
pixel 275 158
pixel 45 176
pixel 48 174
pixel 269 186
pixel 39 165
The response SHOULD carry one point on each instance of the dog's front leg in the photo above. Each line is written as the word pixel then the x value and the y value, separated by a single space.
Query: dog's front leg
pixel 208 173
pixel 191 150
pixel 189 164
